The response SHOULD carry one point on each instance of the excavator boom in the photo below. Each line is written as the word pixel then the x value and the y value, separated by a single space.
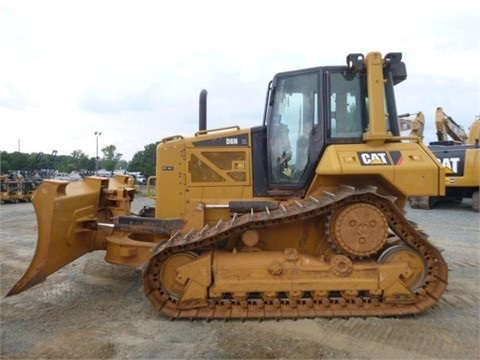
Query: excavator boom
pixel 446 126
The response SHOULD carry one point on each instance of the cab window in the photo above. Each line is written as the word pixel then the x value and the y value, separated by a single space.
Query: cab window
pixel 345 106
pixel 295 113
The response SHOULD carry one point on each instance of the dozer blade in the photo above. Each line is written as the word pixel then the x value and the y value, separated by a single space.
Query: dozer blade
pixel 62 210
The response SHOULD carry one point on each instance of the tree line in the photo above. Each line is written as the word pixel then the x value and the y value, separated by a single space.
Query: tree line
pixel 142 161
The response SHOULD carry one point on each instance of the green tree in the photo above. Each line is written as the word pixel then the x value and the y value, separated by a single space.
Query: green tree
pixel 145 161
pixel 122 164
pixel 19 161
pixel 110 158
pixel 80 159
pixel 77 161
pixel 4 162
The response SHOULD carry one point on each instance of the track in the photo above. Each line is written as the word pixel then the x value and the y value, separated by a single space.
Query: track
pixel 434 284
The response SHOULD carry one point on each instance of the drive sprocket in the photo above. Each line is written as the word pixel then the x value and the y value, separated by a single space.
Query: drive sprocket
pixel 358 229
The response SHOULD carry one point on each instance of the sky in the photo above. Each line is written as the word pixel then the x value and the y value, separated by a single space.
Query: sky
pixel 133 70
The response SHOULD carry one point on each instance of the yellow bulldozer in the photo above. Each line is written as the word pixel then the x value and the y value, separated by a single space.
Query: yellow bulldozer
pixel 300 216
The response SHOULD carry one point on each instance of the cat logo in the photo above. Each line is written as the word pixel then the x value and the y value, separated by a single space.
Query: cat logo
pixel 451 164
pixel 374 158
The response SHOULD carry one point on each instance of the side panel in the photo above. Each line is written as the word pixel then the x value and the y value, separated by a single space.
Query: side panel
pixel 216 168
pixel 406 166
pixel 462 164
pixel 452 157
pixel 472 167
pixel 171 175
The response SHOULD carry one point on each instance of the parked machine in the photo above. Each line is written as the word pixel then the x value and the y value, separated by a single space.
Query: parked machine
pixel 10 189
pixel 16 186
pixel 416 125
pixel 449 131
pixel 300 216
pixel 20 185
pixel 459 152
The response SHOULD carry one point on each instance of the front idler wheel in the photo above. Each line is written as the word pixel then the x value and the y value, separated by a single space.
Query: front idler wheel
pixel 169 278
pixel 416 262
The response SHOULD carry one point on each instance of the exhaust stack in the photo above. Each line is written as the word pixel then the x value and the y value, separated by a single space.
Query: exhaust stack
pixel 202 111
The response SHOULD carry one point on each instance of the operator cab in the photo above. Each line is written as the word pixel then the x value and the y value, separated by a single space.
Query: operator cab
pixel 307 110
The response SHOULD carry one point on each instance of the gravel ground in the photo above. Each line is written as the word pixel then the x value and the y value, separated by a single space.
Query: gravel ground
pixel 94 310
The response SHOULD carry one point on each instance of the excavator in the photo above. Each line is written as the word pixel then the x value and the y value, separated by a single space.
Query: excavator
pixel 447 127
pixel 415 125
pixel 459 152
pixel 301 216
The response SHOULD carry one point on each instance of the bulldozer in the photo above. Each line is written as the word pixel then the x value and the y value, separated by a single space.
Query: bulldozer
pixel 459 152
pixel 301 216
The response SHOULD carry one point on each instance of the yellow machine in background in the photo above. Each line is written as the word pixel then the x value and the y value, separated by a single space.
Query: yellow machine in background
pixel 300 216
pixel 15 189
pixel 415 125
pixel 474 132
pixel 449 130
pixel 459 152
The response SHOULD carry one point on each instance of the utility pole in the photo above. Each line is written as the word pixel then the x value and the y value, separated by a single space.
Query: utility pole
pixel 97 134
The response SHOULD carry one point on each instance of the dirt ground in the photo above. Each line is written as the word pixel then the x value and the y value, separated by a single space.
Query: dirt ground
pixel 95 310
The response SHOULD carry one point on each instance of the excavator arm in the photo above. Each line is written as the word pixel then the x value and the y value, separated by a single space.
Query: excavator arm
pixel 416 125
pixel 446 126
